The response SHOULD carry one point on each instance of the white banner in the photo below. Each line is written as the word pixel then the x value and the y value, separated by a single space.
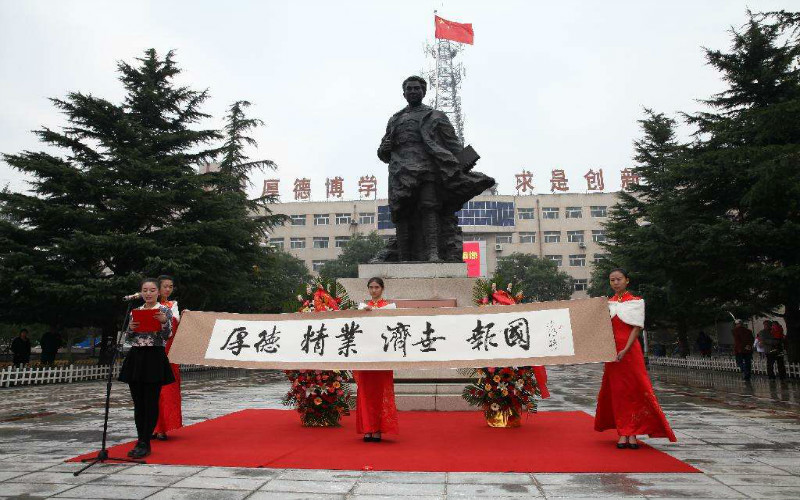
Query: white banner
pixel 462 337
pixel 550 333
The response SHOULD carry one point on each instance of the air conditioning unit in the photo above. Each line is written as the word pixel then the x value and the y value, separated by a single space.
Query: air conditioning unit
pixel 581 245
pixel 498 247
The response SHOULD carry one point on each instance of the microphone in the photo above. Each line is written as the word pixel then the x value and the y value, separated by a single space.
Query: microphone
pixel 131 297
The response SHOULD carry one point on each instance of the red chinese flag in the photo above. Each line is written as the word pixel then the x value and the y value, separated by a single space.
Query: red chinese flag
pixel 456 32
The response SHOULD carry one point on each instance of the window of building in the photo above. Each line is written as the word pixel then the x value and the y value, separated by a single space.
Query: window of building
pixel 580 285
pixel 550 213
pixel 574 213
pixel 558 259
pixel 552 236
pixel 598 235
pixel 578 260
pixel 598 211
pixel 298 220
pixel 527 237
pixel 385 217
pixel 486 213
pixel 297 243
pixel 341 241
pixel 502 238
pixel 320 242
pixel 316 265
pixel 342 218
pixel 387 237
pixel 598 257
pixel 276 243
pixel 474 237
pixel 575 236
pixel 366 218
pixel 322 219
pixel 525 213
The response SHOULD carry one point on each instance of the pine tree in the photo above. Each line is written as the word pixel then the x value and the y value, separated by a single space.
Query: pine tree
pixel 125 200
pixel 746 166
pixel 652 233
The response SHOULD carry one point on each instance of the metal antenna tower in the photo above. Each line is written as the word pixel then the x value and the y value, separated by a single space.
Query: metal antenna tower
pixel 445 80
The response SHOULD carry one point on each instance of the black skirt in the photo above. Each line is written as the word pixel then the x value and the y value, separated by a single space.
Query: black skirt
pixel 148 365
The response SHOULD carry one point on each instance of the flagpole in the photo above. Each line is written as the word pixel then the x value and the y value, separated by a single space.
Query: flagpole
pixel 436 48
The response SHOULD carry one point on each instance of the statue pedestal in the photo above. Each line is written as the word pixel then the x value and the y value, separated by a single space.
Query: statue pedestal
pixel 421 284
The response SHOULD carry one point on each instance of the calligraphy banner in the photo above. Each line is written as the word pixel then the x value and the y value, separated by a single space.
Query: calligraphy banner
pixel 547 333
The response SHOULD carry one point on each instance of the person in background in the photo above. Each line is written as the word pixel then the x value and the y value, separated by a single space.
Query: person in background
pixel 704 344
pixel 21 347
pixel 169 403
pixel 775 345
pixel 743 348
pixel 51 343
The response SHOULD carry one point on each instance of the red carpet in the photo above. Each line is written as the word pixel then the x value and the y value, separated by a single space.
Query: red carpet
pixel 430 441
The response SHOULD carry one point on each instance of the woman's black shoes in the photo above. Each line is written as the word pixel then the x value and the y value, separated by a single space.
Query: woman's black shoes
pixel 622 446
pixel 141 450
pixel 367 439
pixel 633 446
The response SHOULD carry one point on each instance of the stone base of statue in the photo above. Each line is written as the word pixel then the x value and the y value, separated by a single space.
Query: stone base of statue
pixel 413 285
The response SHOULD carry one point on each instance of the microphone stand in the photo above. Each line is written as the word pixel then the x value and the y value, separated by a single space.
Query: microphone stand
pixel 102 455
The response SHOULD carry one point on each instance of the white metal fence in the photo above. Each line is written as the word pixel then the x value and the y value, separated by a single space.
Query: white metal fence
pixel 26 375
pixel 727 363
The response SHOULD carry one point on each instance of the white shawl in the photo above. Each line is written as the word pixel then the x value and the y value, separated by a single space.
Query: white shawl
pixel 630 311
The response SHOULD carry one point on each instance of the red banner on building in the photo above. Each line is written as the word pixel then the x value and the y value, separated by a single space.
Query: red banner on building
pixel 473 256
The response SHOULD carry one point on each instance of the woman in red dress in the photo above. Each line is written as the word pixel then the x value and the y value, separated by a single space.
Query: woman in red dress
pixel 626 401
pixel 376 412
pixel 169 403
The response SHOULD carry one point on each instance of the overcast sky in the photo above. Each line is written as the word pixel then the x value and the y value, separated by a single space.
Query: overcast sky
pixel 548 84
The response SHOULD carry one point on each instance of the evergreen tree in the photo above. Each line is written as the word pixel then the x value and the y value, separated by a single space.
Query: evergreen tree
pixel 653 233
pixel 125 200
pixel 715 228
pixel 360 249
pixel 540 279
pixel 746 166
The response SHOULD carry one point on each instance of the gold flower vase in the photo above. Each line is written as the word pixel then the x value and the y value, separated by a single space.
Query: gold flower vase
pixel 504 418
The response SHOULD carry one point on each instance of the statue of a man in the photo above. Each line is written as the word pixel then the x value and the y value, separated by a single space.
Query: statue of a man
pixel 427 183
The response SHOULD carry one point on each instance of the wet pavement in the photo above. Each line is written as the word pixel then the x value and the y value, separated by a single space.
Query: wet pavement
pixel 744 437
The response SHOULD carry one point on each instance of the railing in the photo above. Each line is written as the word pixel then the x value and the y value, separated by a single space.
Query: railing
pixel 726 363
pixel 27 375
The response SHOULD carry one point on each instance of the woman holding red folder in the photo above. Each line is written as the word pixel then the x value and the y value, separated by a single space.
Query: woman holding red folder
pixel 146 367
pixel 169 403
pixel 376 412
pixel 626 401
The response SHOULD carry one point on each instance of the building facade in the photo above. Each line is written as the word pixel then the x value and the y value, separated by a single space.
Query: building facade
pixel 566 228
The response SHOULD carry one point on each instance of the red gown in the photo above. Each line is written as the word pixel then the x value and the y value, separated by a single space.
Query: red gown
pixel 375 407
pixel 626 401
pixel 169 403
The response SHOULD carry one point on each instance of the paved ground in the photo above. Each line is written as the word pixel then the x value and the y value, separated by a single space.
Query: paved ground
pixel 745 438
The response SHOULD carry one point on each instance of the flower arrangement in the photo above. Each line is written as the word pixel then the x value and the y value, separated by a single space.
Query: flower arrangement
pixel 485 293
pixel 321 397
pixel 501 391
pixel 324 296
pixel 507 390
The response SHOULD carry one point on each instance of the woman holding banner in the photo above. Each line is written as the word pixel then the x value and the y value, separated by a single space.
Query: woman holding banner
pixel 169 404
pixel 376 412
pixel 626 401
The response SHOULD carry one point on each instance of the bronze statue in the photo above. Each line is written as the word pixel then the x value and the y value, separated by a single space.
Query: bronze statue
pixel 430 179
